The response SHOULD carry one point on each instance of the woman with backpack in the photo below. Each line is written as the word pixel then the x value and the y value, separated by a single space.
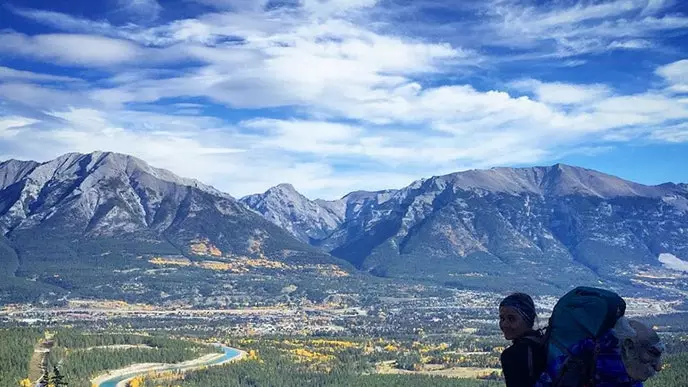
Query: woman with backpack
pixel 526 358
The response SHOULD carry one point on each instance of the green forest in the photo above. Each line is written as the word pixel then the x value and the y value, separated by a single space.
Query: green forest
pixel 277 361
pixel 16 349
pixel 284 373
pixel 273 367
pixel 674 374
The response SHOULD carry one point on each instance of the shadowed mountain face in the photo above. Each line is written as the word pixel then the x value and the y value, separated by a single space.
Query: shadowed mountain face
pixel 95 214
pixel 549 225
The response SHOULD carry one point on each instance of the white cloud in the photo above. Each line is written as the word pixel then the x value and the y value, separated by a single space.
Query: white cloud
pixel 633 44
pixel 40 96
pixel 70 49
pixel 64 22
pixel 581 13
pixel 676 74
pixel 316 8
pixel 236 5
pixel 328 8
pixel 576 28
pixel 562 93
pixel 656 6
pixel 647 104
pixel 673 134
pixel 147 9
pixel 306 136
pixel 14 74
pixel 9 125
pixel 320 65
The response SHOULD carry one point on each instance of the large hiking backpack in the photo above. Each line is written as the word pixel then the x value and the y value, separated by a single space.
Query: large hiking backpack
pixel 582 314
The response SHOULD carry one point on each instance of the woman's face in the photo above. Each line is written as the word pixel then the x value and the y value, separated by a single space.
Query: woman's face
pixel 512 323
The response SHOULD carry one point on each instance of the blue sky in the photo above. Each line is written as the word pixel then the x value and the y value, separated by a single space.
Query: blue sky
pixel 339 95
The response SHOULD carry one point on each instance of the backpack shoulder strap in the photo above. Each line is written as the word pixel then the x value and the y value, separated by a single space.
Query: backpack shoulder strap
pixel 531 340
pixel 531 370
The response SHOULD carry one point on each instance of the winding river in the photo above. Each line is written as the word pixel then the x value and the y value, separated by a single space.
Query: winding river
pixel 228 355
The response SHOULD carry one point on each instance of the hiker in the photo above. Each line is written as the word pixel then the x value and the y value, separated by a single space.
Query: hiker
pixel 525 359
pixel 641 349
pixel 629 354
pixel 591 343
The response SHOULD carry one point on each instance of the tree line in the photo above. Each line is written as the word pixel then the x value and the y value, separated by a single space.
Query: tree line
pixel 274 368
pixel 79 358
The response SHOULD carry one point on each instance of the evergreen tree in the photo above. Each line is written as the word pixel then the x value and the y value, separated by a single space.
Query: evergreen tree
pixel 43 382
pixel 57 380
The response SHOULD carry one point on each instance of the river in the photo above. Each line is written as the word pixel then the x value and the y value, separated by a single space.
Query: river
pixel 229 354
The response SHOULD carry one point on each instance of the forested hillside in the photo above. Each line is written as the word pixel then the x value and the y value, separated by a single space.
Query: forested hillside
pixel 16 349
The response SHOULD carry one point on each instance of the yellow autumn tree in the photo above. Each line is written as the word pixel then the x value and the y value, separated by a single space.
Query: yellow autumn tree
pixel 25 383
pixel 136 382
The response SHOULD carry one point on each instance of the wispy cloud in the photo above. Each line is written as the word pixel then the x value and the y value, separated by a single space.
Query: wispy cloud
pixel 148 10
pixel 674 134
pixel 10 126
pixel 632 44
pixel 562 93
pixel 565 29
pixel 7 73
pixel 69 49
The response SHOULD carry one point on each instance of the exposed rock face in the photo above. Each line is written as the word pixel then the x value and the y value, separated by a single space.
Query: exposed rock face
pixel 545 224
pixel 85 205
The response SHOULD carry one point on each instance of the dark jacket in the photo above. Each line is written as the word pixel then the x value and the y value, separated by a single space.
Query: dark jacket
pixel 524 361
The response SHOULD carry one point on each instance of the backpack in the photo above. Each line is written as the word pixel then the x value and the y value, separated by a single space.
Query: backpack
pixel 582 314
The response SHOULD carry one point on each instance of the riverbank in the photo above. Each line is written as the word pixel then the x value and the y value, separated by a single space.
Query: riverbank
pixel 122 376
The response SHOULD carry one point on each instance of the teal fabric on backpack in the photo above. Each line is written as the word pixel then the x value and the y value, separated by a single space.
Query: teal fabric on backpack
pixel 584 314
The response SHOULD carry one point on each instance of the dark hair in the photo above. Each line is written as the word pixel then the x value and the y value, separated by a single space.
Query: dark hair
pixel 524 305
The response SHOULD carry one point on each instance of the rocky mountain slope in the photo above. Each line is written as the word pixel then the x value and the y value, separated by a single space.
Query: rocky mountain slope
pixel 312 221
pixel 76 220
pixel 545 225
pixel 107 225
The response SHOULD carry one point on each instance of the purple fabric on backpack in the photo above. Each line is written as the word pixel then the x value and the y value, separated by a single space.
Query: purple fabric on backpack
pixel 609 371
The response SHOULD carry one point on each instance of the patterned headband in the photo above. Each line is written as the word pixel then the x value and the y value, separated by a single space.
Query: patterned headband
pixel 524 308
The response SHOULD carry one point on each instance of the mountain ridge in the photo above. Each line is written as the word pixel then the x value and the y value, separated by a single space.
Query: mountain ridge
pixel 542 227
pixel 556 180
pixel 585 223
pixel 105 212
pixel 624 186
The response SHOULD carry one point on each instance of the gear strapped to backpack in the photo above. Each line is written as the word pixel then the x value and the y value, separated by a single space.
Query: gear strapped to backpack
pixel 584 315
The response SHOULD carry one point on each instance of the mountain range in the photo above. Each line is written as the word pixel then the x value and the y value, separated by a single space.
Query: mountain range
pixel 553 225
pixel 82 217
